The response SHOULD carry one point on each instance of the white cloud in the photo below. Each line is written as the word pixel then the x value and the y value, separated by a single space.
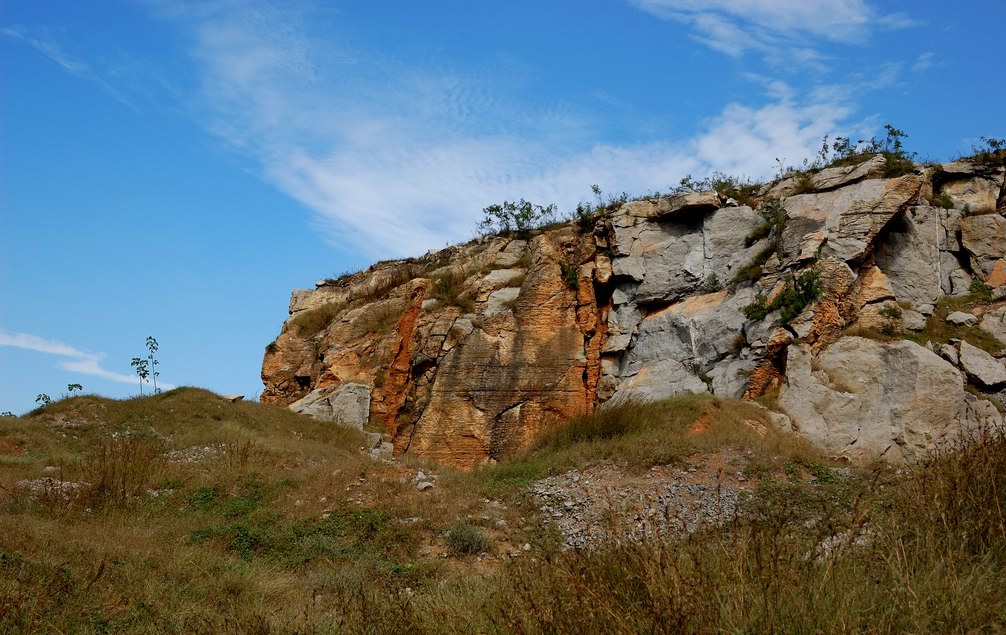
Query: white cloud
pixel 41 41
pixel 924 62
pixel 79 361
pixel 395 161
pixel 781 29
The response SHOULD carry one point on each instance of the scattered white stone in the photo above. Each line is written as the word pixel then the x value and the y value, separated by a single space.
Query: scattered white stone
pixel 960 318
pixel 63 489
pixel 422 486
pixel 986 370
pixel 913 320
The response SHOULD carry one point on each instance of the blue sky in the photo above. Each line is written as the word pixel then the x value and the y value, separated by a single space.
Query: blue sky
pixel 175 169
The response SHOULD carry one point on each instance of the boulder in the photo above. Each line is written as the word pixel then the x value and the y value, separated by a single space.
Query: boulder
pixel 864 400
pixel 659 380
pixel 994 321
pixel 913 320
pixel 501 300
pixel 832 178
pixel 700 330
pixel 984 237
pixel 985 370
pixel 960 318
pixel 347 404
pixel 679 203
pixel 730 377
pixel 845 222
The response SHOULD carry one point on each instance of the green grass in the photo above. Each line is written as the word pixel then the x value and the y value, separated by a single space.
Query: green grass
pixel 939 331
pixel 636 436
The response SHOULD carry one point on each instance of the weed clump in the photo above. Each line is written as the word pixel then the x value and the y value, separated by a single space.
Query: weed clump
pixel 942 200
pixel 570 275
pixel 448 290
pixel 310 322
pixel 799 292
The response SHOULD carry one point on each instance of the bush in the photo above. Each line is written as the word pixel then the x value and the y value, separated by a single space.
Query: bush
pixel 518 218
pixel 570 275
pixel 941 200
pixel 742 190
pixel 713 283
pixel 464 539
pixel 791 301
pixel 893 314
pixel 980 292
pixel 775 220
pixel 753 270
pixel 992 155
pixel 844 152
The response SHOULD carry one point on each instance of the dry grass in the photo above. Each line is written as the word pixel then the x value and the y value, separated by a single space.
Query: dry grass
pixel 449 290
pixel 310 322
pixel 286 527
pixel 378 318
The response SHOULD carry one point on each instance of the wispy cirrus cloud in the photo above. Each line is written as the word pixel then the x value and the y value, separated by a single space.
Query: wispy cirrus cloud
pixel 395 160
pixel 75 360
pixel 43 42
pixel 782 30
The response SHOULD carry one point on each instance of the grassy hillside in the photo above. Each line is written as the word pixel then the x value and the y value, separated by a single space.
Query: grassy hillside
pixel 183 512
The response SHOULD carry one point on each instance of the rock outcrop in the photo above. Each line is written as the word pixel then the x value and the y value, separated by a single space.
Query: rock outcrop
pixel 463 355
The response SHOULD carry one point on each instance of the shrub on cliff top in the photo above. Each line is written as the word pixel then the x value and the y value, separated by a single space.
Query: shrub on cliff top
pixel 519 218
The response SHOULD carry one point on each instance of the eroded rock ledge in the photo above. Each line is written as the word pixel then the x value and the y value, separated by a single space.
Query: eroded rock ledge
pixel 461 356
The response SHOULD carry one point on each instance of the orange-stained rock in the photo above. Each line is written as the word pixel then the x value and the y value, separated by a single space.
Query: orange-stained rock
pixel 997 278
pixel 458 388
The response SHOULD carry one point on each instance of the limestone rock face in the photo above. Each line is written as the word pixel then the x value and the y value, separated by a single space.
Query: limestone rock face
pixel 922 254
pixel 970 186
pixel 866 400
pixel 984 237
pixel 844 222
pixel 461 356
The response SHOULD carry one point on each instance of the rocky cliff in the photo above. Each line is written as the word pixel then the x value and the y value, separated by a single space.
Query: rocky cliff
pixel 826 294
